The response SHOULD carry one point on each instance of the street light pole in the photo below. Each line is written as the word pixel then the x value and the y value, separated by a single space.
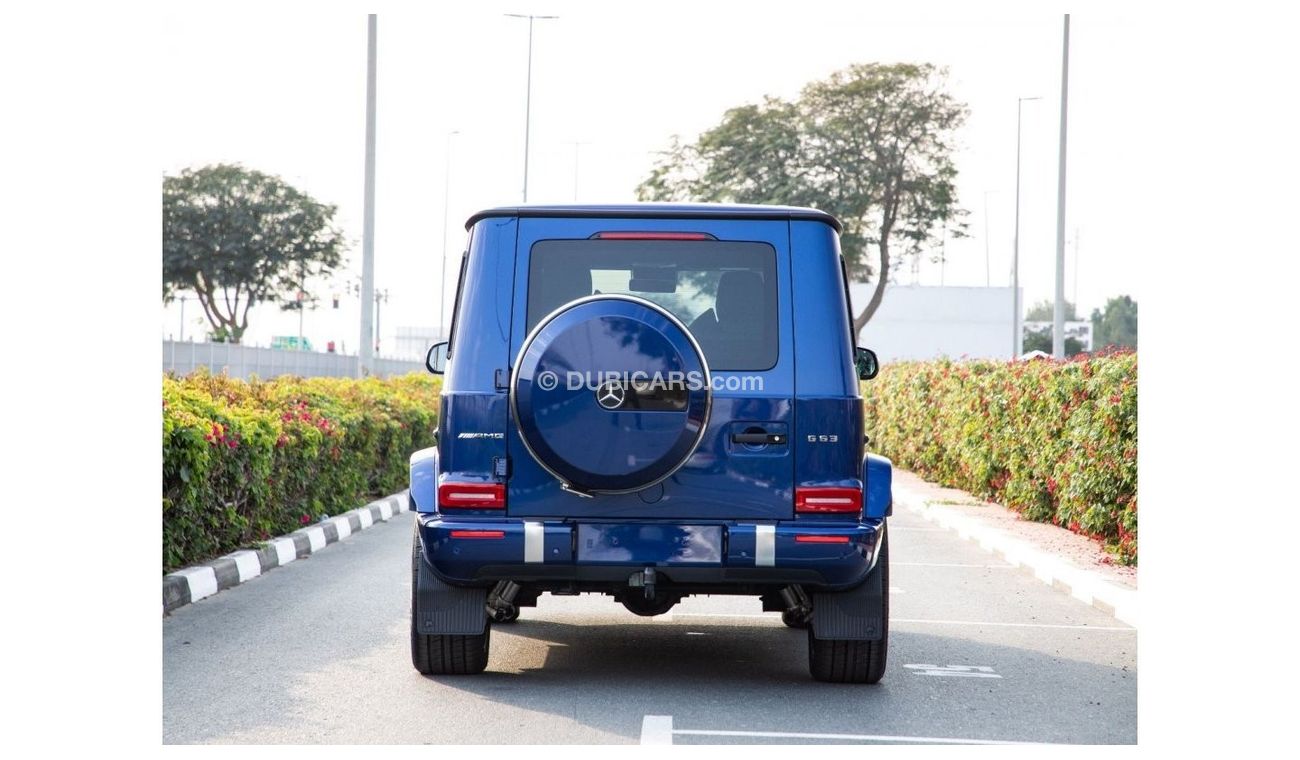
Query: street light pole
pixel 1058 314
pixel 446 197
pixel 380 297
pixel 1017 337
pixel 987 279
pixel 576 146
pixel 528 95
pixel 366 350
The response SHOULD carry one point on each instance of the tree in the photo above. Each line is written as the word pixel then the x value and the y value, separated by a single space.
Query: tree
pixel 1117 324
pixel 870 144
pixel 1045 311
pixel 238 237
pixel 1041 340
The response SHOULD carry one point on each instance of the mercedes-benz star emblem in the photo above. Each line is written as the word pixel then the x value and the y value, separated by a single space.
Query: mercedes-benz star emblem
pixel 611 395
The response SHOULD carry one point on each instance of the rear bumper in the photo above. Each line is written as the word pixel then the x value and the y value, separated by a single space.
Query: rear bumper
pixel 824 555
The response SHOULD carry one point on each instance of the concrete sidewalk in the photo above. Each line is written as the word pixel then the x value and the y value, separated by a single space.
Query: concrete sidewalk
pixel 1056 556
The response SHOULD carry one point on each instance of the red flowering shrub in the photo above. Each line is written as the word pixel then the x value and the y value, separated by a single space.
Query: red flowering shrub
pixel 247 460
pixel 1056 441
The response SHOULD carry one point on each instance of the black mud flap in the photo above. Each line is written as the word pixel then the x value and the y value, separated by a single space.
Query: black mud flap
pixel 856 614
pixel 444 609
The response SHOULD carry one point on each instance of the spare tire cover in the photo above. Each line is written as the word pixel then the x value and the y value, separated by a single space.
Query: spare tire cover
pixel 611 394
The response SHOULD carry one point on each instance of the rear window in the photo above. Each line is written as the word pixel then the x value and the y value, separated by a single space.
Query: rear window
pixel 725 292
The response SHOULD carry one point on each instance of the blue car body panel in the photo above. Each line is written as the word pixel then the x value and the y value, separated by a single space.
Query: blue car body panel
pixel 721 481
pixel 725 516
pixel 830 566
pixel 424 480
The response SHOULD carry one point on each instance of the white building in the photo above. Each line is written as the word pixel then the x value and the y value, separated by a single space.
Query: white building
pixel 413 341
pixel 919 322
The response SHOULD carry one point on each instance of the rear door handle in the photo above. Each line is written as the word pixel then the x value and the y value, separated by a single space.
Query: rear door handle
pixel 758 438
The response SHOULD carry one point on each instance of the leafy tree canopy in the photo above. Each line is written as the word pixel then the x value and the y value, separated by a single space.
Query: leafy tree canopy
pixel 1041 340
pixel 1045 311
pixel 1116 324
pixel 871 144
pixel 238 237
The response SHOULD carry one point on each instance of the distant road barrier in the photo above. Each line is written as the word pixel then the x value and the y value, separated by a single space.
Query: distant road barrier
pixel 243 361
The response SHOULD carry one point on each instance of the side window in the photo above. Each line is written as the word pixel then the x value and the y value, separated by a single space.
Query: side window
pixel 848 303
pixel 460 286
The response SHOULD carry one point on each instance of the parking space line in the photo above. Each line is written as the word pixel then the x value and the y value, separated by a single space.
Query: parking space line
pixel 1015 625
pixel 763 616
pixel 921 621
pixel 658 729
pixel 949 564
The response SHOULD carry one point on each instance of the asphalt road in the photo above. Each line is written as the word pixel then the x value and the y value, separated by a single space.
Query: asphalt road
pixel 317 651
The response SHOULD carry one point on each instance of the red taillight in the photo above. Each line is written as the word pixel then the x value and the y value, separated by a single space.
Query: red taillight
pixel 478 534
pixel 834 500
pixel 821 539
pixel 653 236
pixel 472 496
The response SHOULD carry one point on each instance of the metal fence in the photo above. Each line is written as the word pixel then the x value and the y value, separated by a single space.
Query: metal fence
pixel 243 361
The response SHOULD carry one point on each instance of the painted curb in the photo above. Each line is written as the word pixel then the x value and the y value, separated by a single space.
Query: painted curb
pixel 1085 585
pixel 191 584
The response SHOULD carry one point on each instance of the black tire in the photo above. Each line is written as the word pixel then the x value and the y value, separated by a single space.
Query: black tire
pixel 444 655
pixel 794 621
pixel 846 661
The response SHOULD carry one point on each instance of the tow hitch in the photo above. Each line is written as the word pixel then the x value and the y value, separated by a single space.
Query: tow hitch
pixel 651 601
pixel 644 579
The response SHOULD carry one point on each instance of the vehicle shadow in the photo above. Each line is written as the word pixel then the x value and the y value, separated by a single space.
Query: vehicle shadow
pixel 755 677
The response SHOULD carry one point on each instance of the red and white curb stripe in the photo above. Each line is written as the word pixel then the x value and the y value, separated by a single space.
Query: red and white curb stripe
pixel 1085 585
pixel 194 583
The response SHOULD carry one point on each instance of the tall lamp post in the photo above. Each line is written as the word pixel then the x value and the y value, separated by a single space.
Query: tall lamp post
pixel 1017 338
pixel 366 349
pixel 576 145
pixel 1058 313
pixel 528 97
pixel 446 197
pixel 987 279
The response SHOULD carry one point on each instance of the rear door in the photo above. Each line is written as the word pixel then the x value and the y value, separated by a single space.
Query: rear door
pixel 728 281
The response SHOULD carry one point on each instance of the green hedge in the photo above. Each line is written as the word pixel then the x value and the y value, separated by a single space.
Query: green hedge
pixel 245 461
pixel 1056 441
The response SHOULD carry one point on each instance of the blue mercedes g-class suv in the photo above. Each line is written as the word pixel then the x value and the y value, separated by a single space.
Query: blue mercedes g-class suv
pixel 652 401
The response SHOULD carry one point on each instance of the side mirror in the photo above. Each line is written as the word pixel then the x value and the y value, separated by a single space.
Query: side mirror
pixel 867 363
pixel 436 360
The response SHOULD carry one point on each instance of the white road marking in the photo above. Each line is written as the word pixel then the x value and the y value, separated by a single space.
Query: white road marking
pixel 766 616
pixel 202 581
pixel 949 564
pixel 955 671
pixel 657 729
pixel 836 737
pixel 1015 625
pixel 247 564
pixel 772 616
